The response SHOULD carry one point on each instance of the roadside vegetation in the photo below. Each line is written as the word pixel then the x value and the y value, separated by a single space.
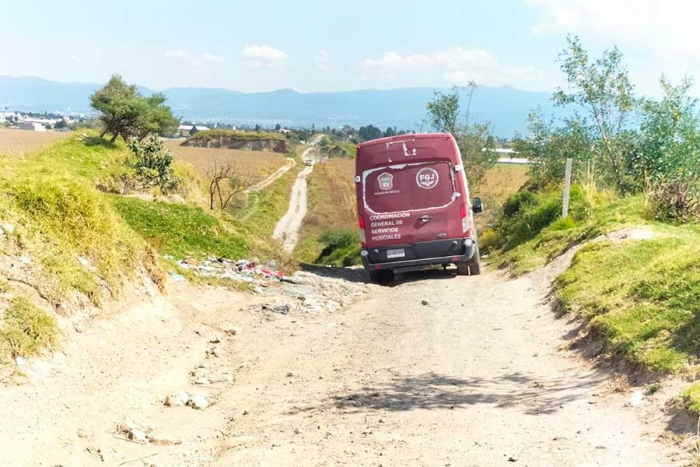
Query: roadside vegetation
pixel 635 192
pixel 329 234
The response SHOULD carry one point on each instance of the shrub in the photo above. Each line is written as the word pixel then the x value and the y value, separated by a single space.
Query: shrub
pixel 674 200
pixel 153 164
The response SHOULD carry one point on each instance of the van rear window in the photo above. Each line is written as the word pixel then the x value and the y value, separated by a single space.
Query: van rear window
pixel 409 187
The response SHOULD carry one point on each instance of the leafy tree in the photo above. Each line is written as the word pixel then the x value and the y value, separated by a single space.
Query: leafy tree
pixel 475 140
pixel 369 132
pixel 601 87
pixel 670 141
pixel 124 112
pixel 549 146
pixel 61 124
pixel 278 127
pixel 443 112
pixel 194 130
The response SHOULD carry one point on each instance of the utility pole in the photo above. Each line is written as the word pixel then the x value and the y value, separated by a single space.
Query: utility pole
pixel 567 189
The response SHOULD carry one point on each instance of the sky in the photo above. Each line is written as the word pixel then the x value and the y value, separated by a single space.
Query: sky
pixel 321 45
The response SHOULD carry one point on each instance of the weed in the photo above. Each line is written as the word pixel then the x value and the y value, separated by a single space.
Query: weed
pixel 27 329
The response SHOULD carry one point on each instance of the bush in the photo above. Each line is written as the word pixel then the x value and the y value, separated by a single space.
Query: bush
pixel 526 214
pixel 153 164
pixel 341 248
pixel 674 200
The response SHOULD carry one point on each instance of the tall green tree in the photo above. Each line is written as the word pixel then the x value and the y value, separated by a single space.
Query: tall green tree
pixel 601 87
pixel 475 140
pixel 124 112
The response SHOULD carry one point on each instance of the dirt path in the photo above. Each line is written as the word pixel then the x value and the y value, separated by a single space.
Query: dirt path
pixel 272 178
pixel 475 377
pixel 439 370
pixel 287 229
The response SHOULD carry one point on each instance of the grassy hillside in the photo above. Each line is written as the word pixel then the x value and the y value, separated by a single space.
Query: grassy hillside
pixel 639 290
pixel 77 243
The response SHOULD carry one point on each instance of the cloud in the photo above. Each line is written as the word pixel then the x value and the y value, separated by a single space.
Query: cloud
pixel 455 65
pixel 176 53
pixel 195 60
pixel 322 61
pixel 263 56
pixel 211 58
pixel 667 28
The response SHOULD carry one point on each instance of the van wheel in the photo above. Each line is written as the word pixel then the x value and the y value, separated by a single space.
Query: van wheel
pixel 382 277
pixel 475 263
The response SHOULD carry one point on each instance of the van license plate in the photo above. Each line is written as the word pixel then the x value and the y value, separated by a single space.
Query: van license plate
pixel 393 254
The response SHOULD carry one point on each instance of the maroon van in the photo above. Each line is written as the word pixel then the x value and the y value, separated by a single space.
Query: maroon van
pixel 413 206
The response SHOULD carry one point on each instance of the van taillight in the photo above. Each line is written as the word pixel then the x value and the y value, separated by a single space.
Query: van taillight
pixel 363 237
pixel 465 219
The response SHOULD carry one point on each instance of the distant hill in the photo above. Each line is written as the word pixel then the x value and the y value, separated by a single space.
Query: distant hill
pixel 505 107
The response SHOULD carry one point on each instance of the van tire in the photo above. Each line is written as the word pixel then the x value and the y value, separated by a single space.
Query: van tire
pixel 475 263
pixel 382 277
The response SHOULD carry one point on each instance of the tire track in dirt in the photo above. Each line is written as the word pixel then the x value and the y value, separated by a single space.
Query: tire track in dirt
pixel 287 229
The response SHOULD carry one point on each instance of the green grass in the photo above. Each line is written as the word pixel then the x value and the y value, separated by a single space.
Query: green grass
pixel 63 219
pixel 180 230
pixel 536 249
pixel 240 135
pixel 262 210
pixel 691 398
pixel 641 297
pixel 26 330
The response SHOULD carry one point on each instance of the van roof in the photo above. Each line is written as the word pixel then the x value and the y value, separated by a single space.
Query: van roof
pixel 418 147
pixel 405 137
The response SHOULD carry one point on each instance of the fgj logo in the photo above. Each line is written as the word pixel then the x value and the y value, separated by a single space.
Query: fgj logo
pixel 386 181
pixel 427 178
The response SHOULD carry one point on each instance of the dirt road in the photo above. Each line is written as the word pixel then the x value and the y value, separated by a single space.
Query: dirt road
pixel 287 229
pixel 438 371
pixel 474 377
pixel 272 178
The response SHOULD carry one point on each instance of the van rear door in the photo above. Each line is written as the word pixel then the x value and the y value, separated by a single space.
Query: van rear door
pixel 411 203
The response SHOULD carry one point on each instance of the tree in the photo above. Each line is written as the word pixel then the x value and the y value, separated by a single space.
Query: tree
pixel 194 130
pixel 602 87
pixel 443 112
pixel 670 141
pixel 475 140
pixel 124 112
pixel 226 181
pixel 153 163
pixel 278 127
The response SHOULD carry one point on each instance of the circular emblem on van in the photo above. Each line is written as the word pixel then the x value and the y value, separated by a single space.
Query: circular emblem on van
pixel 427 178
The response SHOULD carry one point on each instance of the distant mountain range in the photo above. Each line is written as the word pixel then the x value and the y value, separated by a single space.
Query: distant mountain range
pixel 505 107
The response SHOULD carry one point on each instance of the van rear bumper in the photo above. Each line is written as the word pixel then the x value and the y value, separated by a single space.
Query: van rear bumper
pixel 464 253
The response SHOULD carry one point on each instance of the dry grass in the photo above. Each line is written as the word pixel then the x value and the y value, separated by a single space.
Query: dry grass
pixel 20 142
pixel 502 181
pixel 255 164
